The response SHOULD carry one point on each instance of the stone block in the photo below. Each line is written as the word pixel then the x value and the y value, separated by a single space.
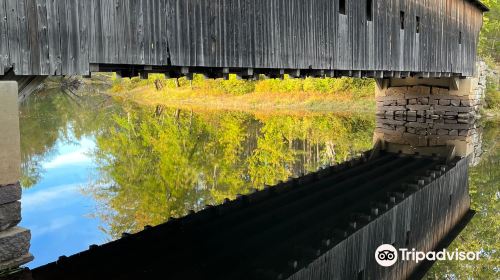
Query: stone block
pixel 455 102
pixel 443 132
pixel 421 131
pixel 14 243
pixel 468 85
pixel 466 103
pixel 418 107
pixel 464 115
pixel 10 154
pixel 10 193
pixel 437 90
pixel 17 262
pixel 418 91
pixel 401 128
pixel 453 126
pixel 402 102
pixel 412 101
pixel 396 91
pixel 395 108
pixel 10 215
pixel 464 132
pixel 445 102
pixel 453 132
pixel 453 108
pixel 417 125
pixel 424 101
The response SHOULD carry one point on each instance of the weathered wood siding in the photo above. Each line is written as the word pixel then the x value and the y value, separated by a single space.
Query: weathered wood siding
pixel 421 221
pixel 63 37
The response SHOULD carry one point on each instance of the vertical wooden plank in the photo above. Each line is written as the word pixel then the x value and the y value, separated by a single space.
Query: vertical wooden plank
pixel 93 25
pixel 54 36
pixel 132 18
pixel 13 35
pixel 24 39
pixel 140 33
pixel 64 36
pixel 74 32
pixel 84 15
pixel 164 40
pixel 147 31
pixel 119 31
pixel 43 37
pixel 4 39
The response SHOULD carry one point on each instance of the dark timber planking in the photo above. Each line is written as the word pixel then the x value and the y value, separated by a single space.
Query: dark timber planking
pixel 308 37
pixel 324 225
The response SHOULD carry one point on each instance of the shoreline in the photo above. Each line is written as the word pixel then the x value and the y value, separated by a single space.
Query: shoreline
pixel 296 102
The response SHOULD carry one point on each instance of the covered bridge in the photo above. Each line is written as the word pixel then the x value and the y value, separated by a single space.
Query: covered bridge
pixel 372 38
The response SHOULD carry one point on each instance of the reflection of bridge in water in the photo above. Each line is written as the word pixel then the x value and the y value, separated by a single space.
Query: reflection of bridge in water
pixel 411 190
pixel 325 225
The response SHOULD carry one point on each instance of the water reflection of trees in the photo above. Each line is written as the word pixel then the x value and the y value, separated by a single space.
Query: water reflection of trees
pixel 161 163
pixel 155 166
pixel 482 233
pixel 51 116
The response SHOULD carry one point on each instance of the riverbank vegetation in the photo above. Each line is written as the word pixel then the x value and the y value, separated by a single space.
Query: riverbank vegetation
pixel 310 94
pixel 481 234
pixel 489 51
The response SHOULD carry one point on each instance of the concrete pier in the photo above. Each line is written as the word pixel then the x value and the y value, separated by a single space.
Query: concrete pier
pixel 14 240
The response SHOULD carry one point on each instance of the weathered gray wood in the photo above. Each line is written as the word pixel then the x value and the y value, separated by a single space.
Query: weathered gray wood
pixel 4 40
pixel 63 37
pixel 43 36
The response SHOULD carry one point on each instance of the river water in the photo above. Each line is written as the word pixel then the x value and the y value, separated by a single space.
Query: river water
pixel 94 168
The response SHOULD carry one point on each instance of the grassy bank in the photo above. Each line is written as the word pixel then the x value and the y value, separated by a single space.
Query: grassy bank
pixel 311 94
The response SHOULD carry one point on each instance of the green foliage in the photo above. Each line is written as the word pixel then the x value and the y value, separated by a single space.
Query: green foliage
pixel 489 40
pixel 481 235
pixel 492 95
pixel 156 166
pixel 235 86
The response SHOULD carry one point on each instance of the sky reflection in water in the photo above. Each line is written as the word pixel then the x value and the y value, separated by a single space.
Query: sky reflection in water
pixel 55 210
pixel 93 169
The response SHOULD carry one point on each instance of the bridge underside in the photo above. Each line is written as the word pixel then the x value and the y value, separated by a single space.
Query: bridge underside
pixel 272 37
pixel 325 225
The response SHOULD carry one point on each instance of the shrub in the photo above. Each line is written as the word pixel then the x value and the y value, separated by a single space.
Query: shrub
pixel 492 97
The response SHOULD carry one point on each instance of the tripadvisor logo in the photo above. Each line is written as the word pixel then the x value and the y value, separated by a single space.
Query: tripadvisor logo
pixel 386 255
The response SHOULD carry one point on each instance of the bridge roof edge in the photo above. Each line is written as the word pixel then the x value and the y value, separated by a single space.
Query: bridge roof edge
pixel 480 5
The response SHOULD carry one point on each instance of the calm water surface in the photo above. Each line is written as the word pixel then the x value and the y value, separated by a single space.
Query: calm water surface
pixel 94 168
